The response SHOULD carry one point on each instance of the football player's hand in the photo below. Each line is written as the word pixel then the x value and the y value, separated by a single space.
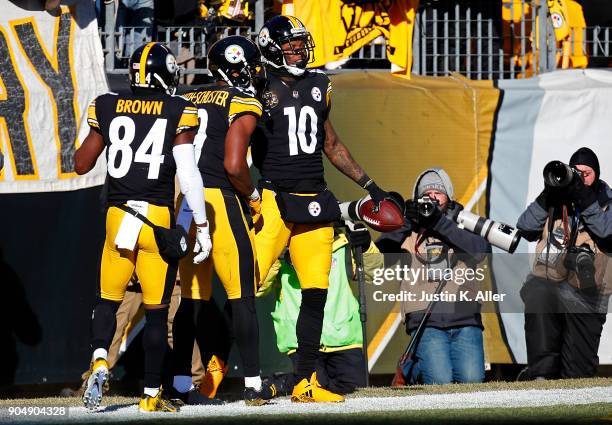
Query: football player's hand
pixel 359 236
pixel 255 208
pixel 203 244
pixel 377 194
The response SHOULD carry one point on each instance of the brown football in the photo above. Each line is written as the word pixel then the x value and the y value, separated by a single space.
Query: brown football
pixel 387 218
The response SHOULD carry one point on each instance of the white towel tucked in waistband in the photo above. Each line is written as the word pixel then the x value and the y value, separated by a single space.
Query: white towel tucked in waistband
pixel 130 226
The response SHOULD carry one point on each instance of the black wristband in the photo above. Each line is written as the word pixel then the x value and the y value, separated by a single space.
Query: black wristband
pixel 364 181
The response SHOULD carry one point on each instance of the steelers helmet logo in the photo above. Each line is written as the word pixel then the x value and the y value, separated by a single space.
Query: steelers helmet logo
pixel 171 63
pixel 234 53
pixel 557 20
pixel 183 243
pixel 314 208
pixel 264 37
pixel 316 94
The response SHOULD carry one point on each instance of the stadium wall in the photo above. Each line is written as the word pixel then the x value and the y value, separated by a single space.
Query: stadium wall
pixel 494 140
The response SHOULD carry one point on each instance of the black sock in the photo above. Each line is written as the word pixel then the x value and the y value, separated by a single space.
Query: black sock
pixel 184 332
pixel 155 343
pixel 308 329
pixel 103 323
pixel 246 332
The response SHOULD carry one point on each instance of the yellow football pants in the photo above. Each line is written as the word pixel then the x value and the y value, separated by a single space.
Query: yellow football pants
pixel 233 252
pixel 310 245
pixel 156 276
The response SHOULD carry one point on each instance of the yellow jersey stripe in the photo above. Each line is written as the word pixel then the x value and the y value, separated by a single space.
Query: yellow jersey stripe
pixel 188 120
pixel 143 62
pixel 239 108
pixel 190 110
pixel 250 101
pixel 91 114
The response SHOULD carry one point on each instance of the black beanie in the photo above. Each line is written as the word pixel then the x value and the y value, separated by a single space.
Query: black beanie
pixel 585 156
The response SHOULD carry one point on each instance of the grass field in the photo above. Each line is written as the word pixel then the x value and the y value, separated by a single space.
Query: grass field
pixel 562 402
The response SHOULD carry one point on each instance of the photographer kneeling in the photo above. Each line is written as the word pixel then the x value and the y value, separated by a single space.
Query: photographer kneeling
pixel 450 348
pixel 566 294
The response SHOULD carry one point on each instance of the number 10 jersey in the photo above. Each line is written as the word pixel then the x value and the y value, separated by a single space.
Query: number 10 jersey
pixel 139 133
pixel 287 145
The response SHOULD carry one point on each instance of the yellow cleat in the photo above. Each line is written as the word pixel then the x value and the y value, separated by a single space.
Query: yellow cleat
pixel 98 376
pixel 156 404
pixel 311 392
pixel 215 372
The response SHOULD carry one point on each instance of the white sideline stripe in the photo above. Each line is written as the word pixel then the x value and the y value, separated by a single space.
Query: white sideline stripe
pixel 476 196
pixel 384 341
pixel 133 333
pixel 483 399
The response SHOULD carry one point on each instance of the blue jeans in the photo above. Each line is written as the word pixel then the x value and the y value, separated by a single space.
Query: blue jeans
pixel 444 356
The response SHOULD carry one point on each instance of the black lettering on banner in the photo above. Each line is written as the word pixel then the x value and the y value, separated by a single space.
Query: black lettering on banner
pixel 13 113
pixel 59 80
pixel 361 19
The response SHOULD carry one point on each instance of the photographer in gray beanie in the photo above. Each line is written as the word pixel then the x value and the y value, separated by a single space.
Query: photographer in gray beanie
pixel 450 349
pixel 566 294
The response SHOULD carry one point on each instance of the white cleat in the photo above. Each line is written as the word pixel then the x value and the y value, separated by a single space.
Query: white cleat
pixel 92 396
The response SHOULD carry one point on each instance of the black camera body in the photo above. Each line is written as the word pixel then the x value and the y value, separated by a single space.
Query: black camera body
pixel 559 174
pixel 426 206
pixel 581 259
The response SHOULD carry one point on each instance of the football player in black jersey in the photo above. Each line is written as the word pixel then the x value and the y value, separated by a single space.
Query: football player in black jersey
pixel 228 112
pixel 148 137
pixel 288 148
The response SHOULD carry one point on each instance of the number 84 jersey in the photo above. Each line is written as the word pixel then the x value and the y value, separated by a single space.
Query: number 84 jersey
pixel 288 143
pixel 139 133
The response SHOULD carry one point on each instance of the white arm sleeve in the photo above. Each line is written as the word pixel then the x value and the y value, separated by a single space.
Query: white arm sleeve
pixel 190 180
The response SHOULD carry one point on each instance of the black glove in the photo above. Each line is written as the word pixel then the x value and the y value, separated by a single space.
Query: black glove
pixel 582 195
pixel 549 197
pixel 454 208
pixel 376 192
pixel 359 236
pixel 411 212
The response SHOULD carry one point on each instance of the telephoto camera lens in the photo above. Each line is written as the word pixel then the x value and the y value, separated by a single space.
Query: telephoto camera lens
pixel 558 174
pixel 498 234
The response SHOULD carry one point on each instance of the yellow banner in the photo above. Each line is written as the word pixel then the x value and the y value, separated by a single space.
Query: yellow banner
pixel 340 28
pixel 559 16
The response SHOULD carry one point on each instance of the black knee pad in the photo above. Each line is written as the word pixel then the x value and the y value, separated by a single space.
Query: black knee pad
pixel 103 323
pixel 310 319
pixel 314 299
pixel 156 329
pixel 243 305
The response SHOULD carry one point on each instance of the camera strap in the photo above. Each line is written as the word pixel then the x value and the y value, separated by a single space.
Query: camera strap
pixel 574 231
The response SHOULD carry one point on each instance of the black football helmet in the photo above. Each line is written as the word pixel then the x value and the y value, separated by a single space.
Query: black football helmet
pixel 285 29
pixel 153 66
pixel 237 61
